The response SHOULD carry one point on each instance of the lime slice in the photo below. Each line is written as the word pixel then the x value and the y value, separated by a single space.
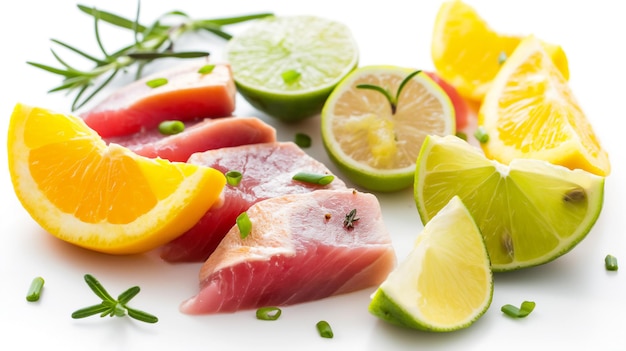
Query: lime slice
pixel 530 212
pixel 373 146
pixel 287 66
pixel 445 283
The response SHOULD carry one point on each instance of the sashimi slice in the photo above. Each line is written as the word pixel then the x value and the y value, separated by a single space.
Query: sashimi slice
pixel 208 134
pixel 187 95
pixel 267 172
pixel 300 248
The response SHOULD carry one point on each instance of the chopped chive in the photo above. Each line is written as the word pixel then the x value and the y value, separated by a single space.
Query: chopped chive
pixel 290 76
pixel 244 224
pixel 314 178
pixel 521 312
pixel 323 328
pixel 206 69
pixel 157 82
pixel 501 57
pixel 233 178
pixel 461 135
pixel 35 289
pixel 610 262
pixel 302 140
pixel 481 134
pixel 268 313
pixel 171 127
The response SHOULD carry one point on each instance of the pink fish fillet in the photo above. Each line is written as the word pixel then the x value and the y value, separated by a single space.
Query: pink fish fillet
pixel 301 248
pixel 208 134
pixel 267 172
pixel 187 95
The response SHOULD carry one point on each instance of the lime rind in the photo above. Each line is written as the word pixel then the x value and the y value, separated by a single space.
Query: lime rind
pixel 445 283
pixel 381 179
pixel 530 212
pixel 316 51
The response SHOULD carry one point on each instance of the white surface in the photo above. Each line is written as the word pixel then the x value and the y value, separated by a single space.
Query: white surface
pixel 579 304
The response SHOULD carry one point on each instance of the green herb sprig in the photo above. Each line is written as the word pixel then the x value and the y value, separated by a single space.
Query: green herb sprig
pixel 393 99
pixel 152 42
pixel 110 306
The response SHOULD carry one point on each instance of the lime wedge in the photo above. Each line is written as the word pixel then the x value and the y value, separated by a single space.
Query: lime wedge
pixel 445 283
pixel 529 212
pixel 287 66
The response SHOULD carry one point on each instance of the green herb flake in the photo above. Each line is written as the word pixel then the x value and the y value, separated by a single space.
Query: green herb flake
pixel 157 82
pixel 302 140
pixel 461 135
pixel 481 135
pixel 206 69
pixel 171 127
pixel 233 178
pixel 610 262
pixel 290 76
pixel 268 313
pixel 324 329
pixel 314 178
pixel 521 312
pixel 392 99
pixel 502 57
pixel 34 292
pixel 244 224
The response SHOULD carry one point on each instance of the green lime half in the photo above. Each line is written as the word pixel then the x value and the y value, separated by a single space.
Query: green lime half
pixel 287 66
pixel 529 212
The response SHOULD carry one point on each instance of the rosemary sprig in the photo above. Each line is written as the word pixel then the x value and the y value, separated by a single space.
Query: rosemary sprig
pixel 110 306
pixel 151 42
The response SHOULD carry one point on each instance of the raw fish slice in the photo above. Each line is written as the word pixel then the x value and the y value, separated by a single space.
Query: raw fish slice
pixel 200 136
pixel 188 95
pixel 300 249
pixel 267 171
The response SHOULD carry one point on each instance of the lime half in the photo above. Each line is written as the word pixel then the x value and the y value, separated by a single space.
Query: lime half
pixel 445 283
pixel 287 66
pixel 372 143
pixel 529 212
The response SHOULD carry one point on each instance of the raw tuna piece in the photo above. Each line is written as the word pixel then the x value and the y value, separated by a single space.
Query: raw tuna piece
pixel 267 171
pixel 200 136
pixel 300 249
pixel 188 95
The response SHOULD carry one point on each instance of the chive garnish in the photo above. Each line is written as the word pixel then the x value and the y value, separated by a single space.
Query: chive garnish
pixel 171 127
pixel 461 135
pixel 268 313
pixel 110 306
pixel 521 312
pixel 323 328
pixel 302 140
pixel 206 69
pixel 481 135
pixel 244 224
pixel 501 57
pixel 233 178
pixel 610 262
pixel 290 76
pixel 35 289
pixel 314 178
pixel 157 82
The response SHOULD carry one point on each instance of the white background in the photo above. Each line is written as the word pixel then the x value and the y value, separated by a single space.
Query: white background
pixel 579 304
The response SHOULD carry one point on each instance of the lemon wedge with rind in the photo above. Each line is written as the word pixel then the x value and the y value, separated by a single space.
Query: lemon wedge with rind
pixel 445 283
pixel 530 212
pixel 286 66
pixel 375 148
pixel 102 197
